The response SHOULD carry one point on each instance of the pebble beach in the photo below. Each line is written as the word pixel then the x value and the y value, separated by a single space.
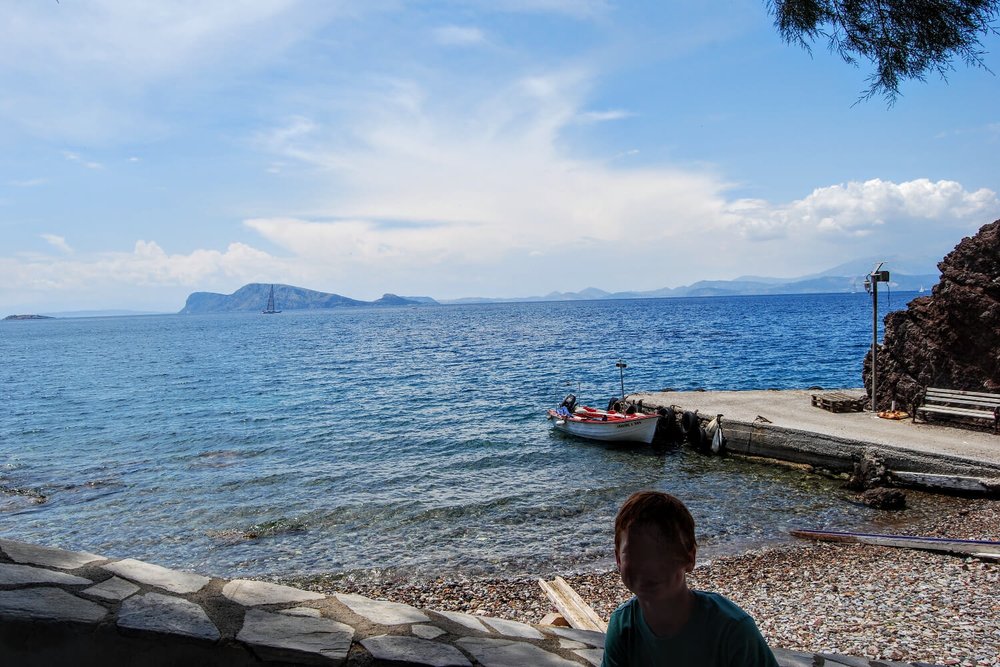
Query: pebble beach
pixel 875 602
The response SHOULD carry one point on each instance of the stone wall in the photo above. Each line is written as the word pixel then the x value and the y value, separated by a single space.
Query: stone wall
pixel 61 607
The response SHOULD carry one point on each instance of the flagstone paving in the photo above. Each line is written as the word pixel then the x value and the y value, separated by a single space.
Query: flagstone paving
pixel 77 608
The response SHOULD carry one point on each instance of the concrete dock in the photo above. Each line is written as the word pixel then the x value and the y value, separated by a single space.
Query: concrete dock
pixel 785 425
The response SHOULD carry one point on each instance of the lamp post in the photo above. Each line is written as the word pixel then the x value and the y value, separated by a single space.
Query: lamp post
pixel 621 366
pixel 871 286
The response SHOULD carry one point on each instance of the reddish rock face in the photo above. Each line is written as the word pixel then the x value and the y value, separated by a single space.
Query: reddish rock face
pixel 950 339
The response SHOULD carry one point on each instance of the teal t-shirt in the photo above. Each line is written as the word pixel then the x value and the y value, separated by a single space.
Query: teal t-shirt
pixel 718 634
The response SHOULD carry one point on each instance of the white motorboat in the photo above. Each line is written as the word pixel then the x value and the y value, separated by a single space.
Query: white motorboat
pixel 587 422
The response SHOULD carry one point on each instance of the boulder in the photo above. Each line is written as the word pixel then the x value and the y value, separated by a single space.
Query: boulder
pixel 869 472
pixel 950 339
pixel 884 499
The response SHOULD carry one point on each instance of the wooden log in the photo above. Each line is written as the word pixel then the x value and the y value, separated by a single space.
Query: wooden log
pixel 978 548
pixel 948 482
pixel 577 613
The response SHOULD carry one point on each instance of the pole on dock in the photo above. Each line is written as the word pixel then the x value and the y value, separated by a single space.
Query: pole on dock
pixel 621 366
pixel 871 284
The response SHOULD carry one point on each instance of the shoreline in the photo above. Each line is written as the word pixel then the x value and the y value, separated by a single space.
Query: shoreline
pixel 876 602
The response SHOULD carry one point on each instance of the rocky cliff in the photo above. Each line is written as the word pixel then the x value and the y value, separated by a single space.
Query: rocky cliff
pixel 950 339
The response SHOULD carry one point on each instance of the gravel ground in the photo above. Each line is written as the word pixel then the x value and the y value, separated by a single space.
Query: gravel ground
pixel 876 602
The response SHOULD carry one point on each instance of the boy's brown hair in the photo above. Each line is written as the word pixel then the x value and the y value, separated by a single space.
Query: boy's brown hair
pixel 662 510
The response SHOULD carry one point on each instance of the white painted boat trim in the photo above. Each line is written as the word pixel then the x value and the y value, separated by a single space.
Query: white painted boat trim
pixel 617 427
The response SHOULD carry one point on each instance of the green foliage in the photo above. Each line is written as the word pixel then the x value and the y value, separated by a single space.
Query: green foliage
pixel 904 39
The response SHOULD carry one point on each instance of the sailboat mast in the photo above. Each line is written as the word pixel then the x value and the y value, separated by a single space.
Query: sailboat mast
pixel 270 303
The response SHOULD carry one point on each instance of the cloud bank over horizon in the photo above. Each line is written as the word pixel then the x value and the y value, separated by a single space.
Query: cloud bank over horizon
pixel 446 153
pixel 330 255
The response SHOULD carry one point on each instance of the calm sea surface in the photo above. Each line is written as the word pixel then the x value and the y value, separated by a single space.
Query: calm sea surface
pixel 399 442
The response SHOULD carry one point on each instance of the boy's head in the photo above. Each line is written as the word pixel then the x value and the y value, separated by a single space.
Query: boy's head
pixel 663 513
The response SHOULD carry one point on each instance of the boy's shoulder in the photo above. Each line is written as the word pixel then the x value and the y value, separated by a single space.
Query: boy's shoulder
pixel 719 605
pixel 625 612
pixel 710 606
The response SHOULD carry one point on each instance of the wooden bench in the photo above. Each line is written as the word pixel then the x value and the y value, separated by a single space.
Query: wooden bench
pixel 961 404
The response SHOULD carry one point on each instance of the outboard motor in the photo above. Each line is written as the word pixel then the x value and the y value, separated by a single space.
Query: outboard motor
pixel 716 438
pixel 569 403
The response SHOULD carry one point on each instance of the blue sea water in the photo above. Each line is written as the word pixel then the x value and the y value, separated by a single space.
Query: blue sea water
pixel 400 441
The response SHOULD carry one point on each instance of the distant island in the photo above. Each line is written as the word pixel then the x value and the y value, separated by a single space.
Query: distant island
pixel 253 298
pixel 28 317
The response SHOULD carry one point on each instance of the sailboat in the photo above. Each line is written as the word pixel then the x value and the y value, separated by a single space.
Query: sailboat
pixel 269 310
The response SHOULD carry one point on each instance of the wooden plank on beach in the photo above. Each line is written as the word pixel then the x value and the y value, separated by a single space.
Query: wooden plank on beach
pixel 577 613
pixel 978 548
pixel 949 482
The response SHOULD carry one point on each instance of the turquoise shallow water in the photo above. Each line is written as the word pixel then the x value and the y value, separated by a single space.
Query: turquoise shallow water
pixel 407 441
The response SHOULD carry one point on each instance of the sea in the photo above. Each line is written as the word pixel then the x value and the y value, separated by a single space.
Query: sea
pixel 403 443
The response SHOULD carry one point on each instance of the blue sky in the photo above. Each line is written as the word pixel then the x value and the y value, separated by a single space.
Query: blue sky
pixel 449 149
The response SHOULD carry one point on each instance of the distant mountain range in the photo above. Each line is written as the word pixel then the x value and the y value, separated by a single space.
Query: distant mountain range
pixel 844 278
pixel 253 297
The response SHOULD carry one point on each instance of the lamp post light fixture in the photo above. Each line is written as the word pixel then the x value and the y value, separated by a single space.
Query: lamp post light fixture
pixel 621 366
pixel 871 286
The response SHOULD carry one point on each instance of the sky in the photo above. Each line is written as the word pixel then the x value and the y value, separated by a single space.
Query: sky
pixel 490 148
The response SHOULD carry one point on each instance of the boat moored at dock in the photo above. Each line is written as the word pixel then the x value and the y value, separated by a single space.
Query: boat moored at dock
pixel 606 425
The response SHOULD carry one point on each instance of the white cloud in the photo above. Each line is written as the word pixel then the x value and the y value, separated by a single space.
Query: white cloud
pixel 476 183
pixel 103 58
pixel 637 229
pixel 421 183
pixel 447 183
pixel 129 41
pixel 74 157
pixel 859 209
pixel 914 219
pixel 604 116
pixel 58 242
pixel 27 183
pixel 147 265
pixel 580 9
pixel 455 35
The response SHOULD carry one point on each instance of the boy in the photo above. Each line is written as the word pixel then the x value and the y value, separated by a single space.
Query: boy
pixel 666 623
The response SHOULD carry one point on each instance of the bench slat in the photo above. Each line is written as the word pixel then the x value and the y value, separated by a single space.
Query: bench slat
pixel 965 412
pixel 961 398
pixel 962 392
pixel 959 403
pixel 972 404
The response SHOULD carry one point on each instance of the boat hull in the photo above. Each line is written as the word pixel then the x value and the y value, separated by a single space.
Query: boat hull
pixel 617 428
